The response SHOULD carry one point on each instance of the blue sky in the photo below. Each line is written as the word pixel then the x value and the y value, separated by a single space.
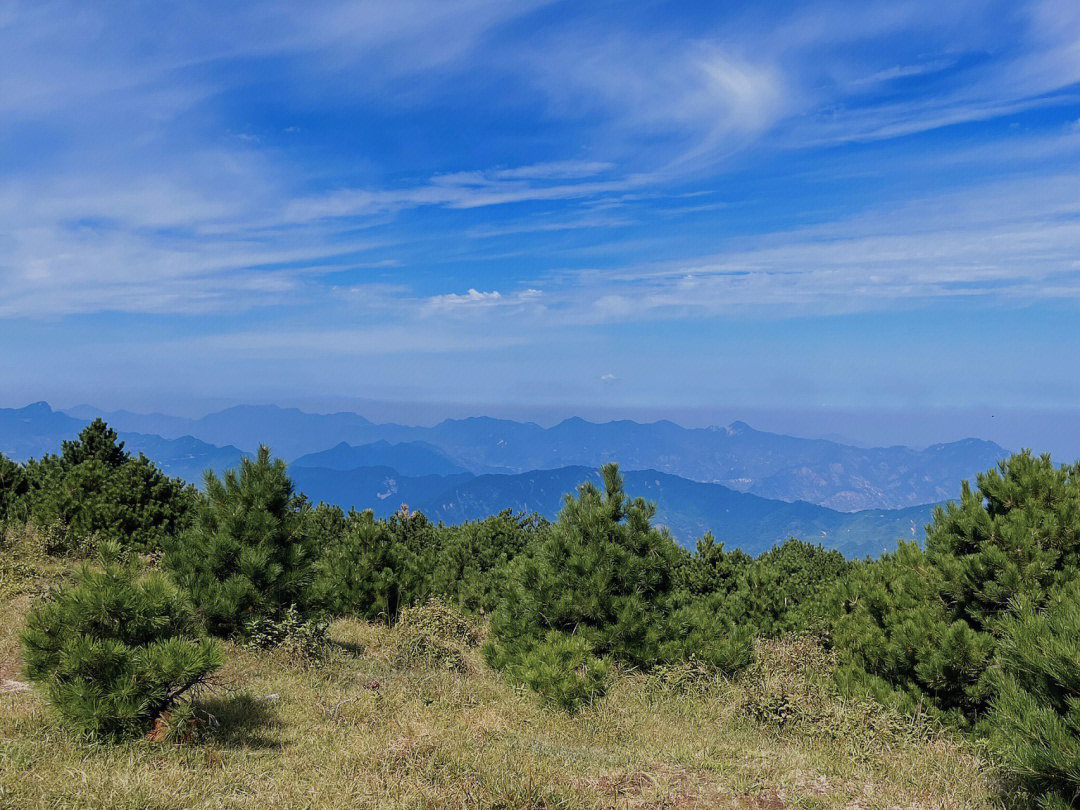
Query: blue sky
pixel 543 208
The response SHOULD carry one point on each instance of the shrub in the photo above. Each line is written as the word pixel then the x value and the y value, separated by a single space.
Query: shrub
pixel 781 591
pixel 563 671
pixel 13 488
pixel 433 635
pixel 300 640
pixel 788 683
pixel 899 640
pixel 94 489
pixel 602 572
pixel 604 576
pixel 917 628
pixel 471 563
pixel 247 554
pixel 371 568
pixel 437 619
pixel 790 689
pixel 363 568
pixel 113 651
pixel 1035 721
pixel 702 631
pixel 712 569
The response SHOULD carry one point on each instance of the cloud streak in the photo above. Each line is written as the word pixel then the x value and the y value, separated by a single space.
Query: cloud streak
pixel 357 177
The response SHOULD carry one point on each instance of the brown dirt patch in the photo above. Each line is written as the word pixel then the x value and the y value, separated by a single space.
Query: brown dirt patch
pixel 676 788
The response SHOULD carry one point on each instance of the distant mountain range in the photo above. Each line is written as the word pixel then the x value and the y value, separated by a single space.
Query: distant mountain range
pixel 687 508
pixel 751 488
pixel 771 465
pixel 407 458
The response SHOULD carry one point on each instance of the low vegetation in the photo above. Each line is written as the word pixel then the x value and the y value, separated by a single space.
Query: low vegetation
pixel 116 649
pixel 515 662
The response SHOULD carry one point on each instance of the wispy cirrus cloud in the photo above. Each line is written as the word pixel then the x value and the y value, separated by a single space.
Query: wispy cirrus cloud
pixel 487 174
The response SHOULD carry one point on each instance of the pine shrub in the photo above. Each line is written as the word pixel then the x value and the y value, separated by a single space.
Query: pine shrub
pixel 364 568
pixel 471 563
pixel 116 649
pixel 563 670
pixel 248 554
pixel 13 488
pixel 1035 721
pixel 603 575
pixel 95 490
pixel 917 629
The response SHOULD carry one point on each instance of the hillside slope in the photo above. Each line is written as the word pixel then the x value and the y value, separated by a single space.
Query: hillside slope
pixel 366 730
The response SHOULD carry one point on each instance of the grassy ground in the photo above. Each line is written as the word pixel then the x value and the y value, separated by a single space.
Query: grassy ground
pixel 359 730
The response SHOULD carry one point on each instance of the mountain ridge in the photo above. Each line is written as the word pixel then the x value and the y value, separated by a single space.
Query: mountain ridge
pixel 447 490
pixel 687 508
pixel 772 465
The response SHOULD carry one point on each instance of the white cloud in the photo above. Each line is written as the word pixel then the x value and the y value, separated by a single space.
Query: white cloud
pixel 1007 242
pixel 474 300
pixel 131 216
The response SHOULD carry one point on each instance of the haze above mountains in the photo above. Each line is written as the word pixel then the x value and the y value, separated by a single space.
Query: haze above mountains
pixel 750 487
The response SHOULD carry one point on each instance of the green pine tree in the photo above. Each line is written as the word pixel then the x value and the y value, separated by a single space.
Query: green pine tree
pixel 116 649
pixel 94 490
pixel 361 569
pixel 13 489
pixel 604 576
pixel 247 554
pixel 1035 721
pixel 602 572
pixel 918 628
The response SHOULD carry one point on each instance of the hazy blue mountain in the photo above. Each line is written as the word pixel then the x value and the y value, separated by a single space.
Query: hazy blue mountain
pixel 185 457
pixel 288 432
pixel 381 489
pixel 768 464
pixel 34 430
pixel 158 424
pixel 689 509
pixel 408 458
pixel 772 465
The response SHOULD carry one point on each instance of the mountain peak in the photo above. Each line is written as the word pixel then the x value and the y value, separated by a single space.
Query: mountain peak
pixel 41 408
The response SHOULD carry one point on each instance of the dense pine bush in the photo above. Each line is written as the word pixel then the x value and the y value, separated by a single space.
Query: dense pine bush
pixel 13 488
pixel 1035 722
pixel 248 554
pixel 563 670
pixel 371 568
pixel 471 562
pixel 605 576
pixel 117 648
pixel 918 628
pixel 95 490
pixel 900 640
pixel 375 568
pixel 602 572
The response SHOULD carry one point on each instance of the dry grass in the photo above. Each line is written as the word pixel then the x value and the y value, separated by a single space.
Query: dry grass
pixel 358 731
